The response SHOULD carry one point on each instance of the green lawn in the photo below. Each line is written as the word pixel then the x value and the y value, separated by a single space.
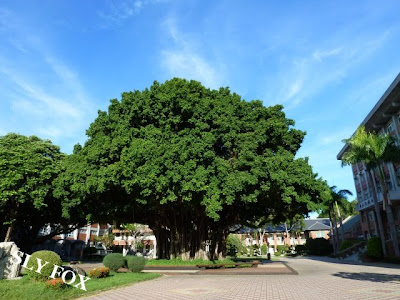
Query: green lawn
pixel 180 262
pixel 25 289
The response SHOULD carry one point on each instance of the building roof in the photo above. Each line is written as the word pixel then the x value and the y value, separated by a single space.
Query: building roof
pixel 383 110
pixel 351 222
pixel 317 224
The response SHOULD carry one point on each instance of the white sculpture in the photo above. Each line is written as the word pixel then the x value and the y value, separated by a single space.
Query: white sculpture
pixel 9 267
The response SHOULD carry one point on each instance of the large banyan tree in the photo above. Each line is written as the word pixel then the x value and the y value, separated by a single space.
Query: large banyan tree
pixel 191 163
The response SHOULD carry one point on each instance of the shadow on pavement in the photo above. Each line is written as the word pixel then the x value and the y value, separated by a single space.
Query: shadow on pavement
pixel 363 276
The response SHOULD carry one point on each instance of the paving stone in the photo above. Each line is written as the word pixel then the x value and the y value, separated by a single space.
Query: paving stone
pixel 318 278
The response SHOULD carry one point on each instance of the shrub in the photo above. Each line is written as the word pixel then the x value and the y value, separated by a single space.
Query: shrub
pixel 278 254
pixel 346 244
pixel 46 256
pixel 135 263
pixel 319 246
pixel 234 246
pixel 99 272
pixel 282 248
pixel 264 250
pixel 56 284
pixel 114 261
pixel 374 247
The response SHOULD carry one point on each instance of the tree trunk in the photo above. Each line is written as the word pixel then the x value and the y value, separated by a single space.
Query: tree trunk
pixel 379 230
pixel 336 231
pixel 389 214
pixel 340 222
pixel 9 232
pixel 332 234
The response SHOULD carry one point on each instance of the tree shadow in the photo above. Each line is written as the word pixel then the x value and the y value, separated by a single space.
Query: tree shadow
pixel 364 276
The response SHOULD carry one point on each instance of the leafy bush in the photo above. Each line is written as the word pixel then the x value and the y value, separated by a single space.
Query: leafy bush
pixel 56 284
pixel 346 244
pixel 114 261
pixel 46 256
pixel 135 263
pixel 282 249
pixel 319 246
pixel 264 250
pixel 99 272
pixel 278 254
pixel 234 246
pixel 374 247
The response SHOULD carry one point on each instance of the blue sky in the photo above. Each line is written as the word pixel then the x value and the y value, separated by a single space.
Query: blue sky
pixel 327 62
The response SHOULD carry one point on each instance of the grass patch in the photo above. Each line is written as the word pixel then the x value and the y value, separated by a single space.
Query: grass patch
pixel 27 289
pixel 180 262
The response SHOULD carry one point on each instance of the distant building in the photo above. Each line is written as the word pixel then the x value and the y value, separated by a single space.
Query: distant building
pixel 130 243
pixel 352 228
pixel 71 245
pixel 282 234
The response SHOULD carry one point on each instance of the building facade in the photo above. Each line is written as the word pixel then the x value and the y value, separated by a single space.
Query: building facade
pixel 274 236
pixel 383 118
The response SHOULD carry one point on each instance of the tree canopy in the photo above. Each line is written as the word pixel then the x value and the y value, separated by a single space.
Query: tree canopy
pixel 28 166
pixel 190 162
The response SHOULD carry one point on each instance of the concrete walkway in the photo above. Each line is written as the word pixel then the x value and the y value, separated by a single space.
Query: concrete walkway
pixel 318 279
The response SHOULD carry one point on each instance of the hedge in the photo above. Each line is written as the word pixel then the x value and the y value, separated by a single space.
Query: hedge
pixel 135 263
pixel 114 261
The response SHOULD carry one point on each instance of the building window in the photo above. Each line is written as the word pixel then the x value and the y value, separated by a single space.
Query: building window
pixel 390 128
pixel 320 234
pixel 371 216
pixel 378 188
pixel 69 234
pixel 396 212
pixel 93 231
pixel 389 185
pixel 83 230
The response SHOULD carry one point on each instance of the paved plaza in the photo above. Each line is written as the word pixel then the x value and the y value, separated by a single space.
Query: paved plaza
pixel 318 278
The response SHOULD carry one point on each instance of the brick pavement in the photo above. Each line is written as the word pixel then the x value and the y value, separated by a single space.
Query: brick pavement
pixel 316 280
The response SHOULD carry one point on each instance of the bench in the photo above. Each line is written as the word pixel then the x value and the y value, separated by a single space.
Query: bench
pixel 253 264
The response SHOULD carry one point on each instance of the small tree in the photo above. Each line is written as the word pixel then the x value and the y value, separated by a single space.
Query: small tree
pixel 107 240
pixel 134 230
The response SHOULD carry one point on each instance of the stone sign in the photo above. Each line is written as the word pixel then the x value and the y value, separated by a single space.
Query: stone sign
pixel 9 268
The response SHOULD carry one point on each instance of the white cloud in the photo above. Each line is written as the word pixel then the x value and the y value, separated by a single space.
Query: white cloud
pixel 119 11
pixel 44 97
pixel 306 76
pixel 319 55
pixel 182 60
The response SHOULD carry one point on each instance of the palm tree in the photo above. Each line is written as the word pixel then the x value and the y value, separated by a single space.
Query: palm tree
pixel 338 198
pixel 375 150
